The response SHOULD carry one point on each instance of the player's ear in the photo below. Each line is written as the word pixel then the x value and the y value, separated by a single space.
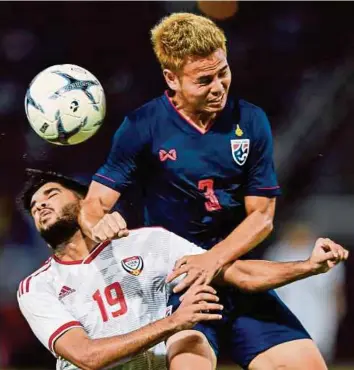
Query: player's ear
pixel 171 79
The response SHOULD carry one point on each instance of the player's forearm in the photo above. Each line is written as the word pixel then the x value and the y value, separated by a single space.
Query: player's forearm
pixel 252 231
pixel 98 201
pixel 107 351
pixel 260 275
pixel 100 198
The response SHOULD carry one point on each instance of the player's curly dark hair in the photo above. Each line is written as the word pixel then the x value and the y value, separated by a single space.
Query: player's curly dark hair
pixel 37 178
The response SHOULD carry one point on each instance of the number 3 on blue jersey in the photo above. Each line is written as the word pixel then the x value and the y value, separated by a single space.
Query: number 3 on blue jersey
pixel 212 203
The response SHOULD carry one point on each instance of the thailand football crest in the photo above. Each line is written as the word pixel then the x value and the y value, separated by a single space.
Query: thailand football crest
pixel 134 265
pixel 240 149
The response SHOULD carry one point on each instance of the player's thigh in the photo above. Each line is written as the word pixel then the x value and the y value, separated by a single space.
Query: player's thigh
pixel 190 349
pixel 300 354
pixel 262 322
pixel 205 338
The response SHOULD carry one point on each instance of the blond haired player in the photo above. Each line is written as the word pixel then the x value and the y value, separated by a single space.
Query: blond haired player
pixel 103 304
pixel 206 166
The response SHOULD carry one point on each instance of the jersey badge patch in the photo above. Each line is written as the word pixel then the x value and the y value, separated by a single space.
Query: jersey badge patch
pixel 134 265
pixel 240 149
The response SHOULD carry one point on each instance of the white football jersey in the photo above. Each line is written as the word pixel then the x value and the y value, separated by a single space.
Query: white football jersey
pixel 118 288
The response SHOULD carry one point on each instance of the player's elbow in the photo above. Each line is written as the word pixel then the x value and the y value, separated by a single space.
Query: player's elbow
pixel 241 279
pixel 262 223
pixel 267 224
pixel 95 359
pixel 88 358
pixel 261 212
pixel 88 362
pixel 84 352
pixel 101 197
pixel 249 285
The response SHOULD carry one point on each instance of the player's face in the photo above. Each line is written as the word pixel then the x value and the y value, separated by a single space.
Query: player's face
pixel 50 203
pixel 204 82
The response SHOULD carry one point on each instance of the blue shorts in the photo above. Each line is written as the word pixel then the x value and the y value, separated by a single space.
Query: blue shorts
pixel 251 324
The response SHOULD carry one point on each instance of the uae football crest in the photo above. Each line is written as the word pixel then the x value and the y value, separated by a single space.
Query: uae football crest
pixel 240 149
pixel 134 265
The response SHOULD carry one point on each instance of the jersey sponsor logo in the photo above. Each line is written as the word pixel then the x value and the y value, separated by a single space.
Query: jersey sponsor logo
pixel 165 155
pixel 240 149
pixel 134 265
pixel 65 291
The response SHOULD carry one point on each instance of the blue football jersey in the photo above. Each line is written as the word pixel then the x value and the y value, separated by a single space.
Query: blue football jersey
pixel 194 182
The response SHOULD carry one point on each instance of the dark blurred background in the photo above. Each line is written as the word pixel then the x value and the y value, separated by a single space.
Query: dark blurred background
pixel 294 59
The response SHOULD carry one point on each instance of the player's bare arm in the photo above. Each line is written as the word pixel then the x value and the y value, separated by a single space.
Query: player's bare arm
pixel 258 275
pixel 94 218
pixel 76 347
pixel 255 228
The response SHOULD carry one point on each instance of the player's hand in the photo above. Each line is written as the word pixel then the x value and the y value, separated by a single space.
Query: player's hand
pixel 110 226
pixel 202 267
pixel 326 254
pixel 99 226
pixel 197 303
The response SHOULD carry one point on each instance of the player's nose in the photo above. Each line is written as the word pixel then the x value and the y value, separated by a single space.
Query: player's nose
pixel 217 88
pixel 42 204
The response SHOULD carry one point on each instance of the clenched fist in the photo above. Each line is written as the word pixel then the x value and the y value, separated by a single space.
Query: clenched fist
pixel 110 226
pixel 99 226
pixel 326 254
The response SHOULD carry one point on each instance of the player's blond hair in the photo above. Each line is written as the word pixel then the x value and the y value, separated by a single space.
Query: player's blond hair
pixel 184 34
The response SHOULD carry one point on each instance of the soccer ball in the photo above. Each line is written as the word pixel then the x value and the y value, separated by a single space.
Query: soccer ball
pixel 65 104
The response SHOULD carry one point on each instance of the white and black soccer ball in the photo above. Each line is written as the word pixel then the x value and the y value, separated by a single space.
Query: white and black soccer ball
pixel 65 104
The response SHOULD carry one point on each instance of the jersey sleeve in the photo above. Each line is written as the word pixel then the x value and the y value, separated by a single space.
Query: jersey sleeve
pixel 46 316
pixel 128 143
pixel 261 176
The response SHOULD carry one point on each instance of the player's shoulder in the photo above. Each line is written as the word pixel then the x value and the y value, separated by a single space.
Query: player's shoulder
pixel 38 280
pixel 253 117
pixel 144 235
pixel 149 232
pixel 142 240
pixel 251 108
pixel 147 111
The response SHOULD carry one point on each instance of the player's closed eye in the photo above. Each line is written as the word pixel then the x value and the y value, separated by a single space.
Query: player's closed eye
pixel 203 81
pixel 52 194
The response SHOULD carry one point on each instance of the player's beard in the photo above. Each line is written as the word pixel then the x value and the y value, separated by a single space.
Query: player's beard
pixel 64 228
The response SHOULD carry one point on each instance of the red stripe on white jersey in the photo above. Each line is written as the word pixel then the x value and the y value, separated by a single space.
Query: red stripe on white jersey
pixel 93 254
pixel 25 283
pixel 60 331
pixel 21 288
pixel 28 284
pixel 96 251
